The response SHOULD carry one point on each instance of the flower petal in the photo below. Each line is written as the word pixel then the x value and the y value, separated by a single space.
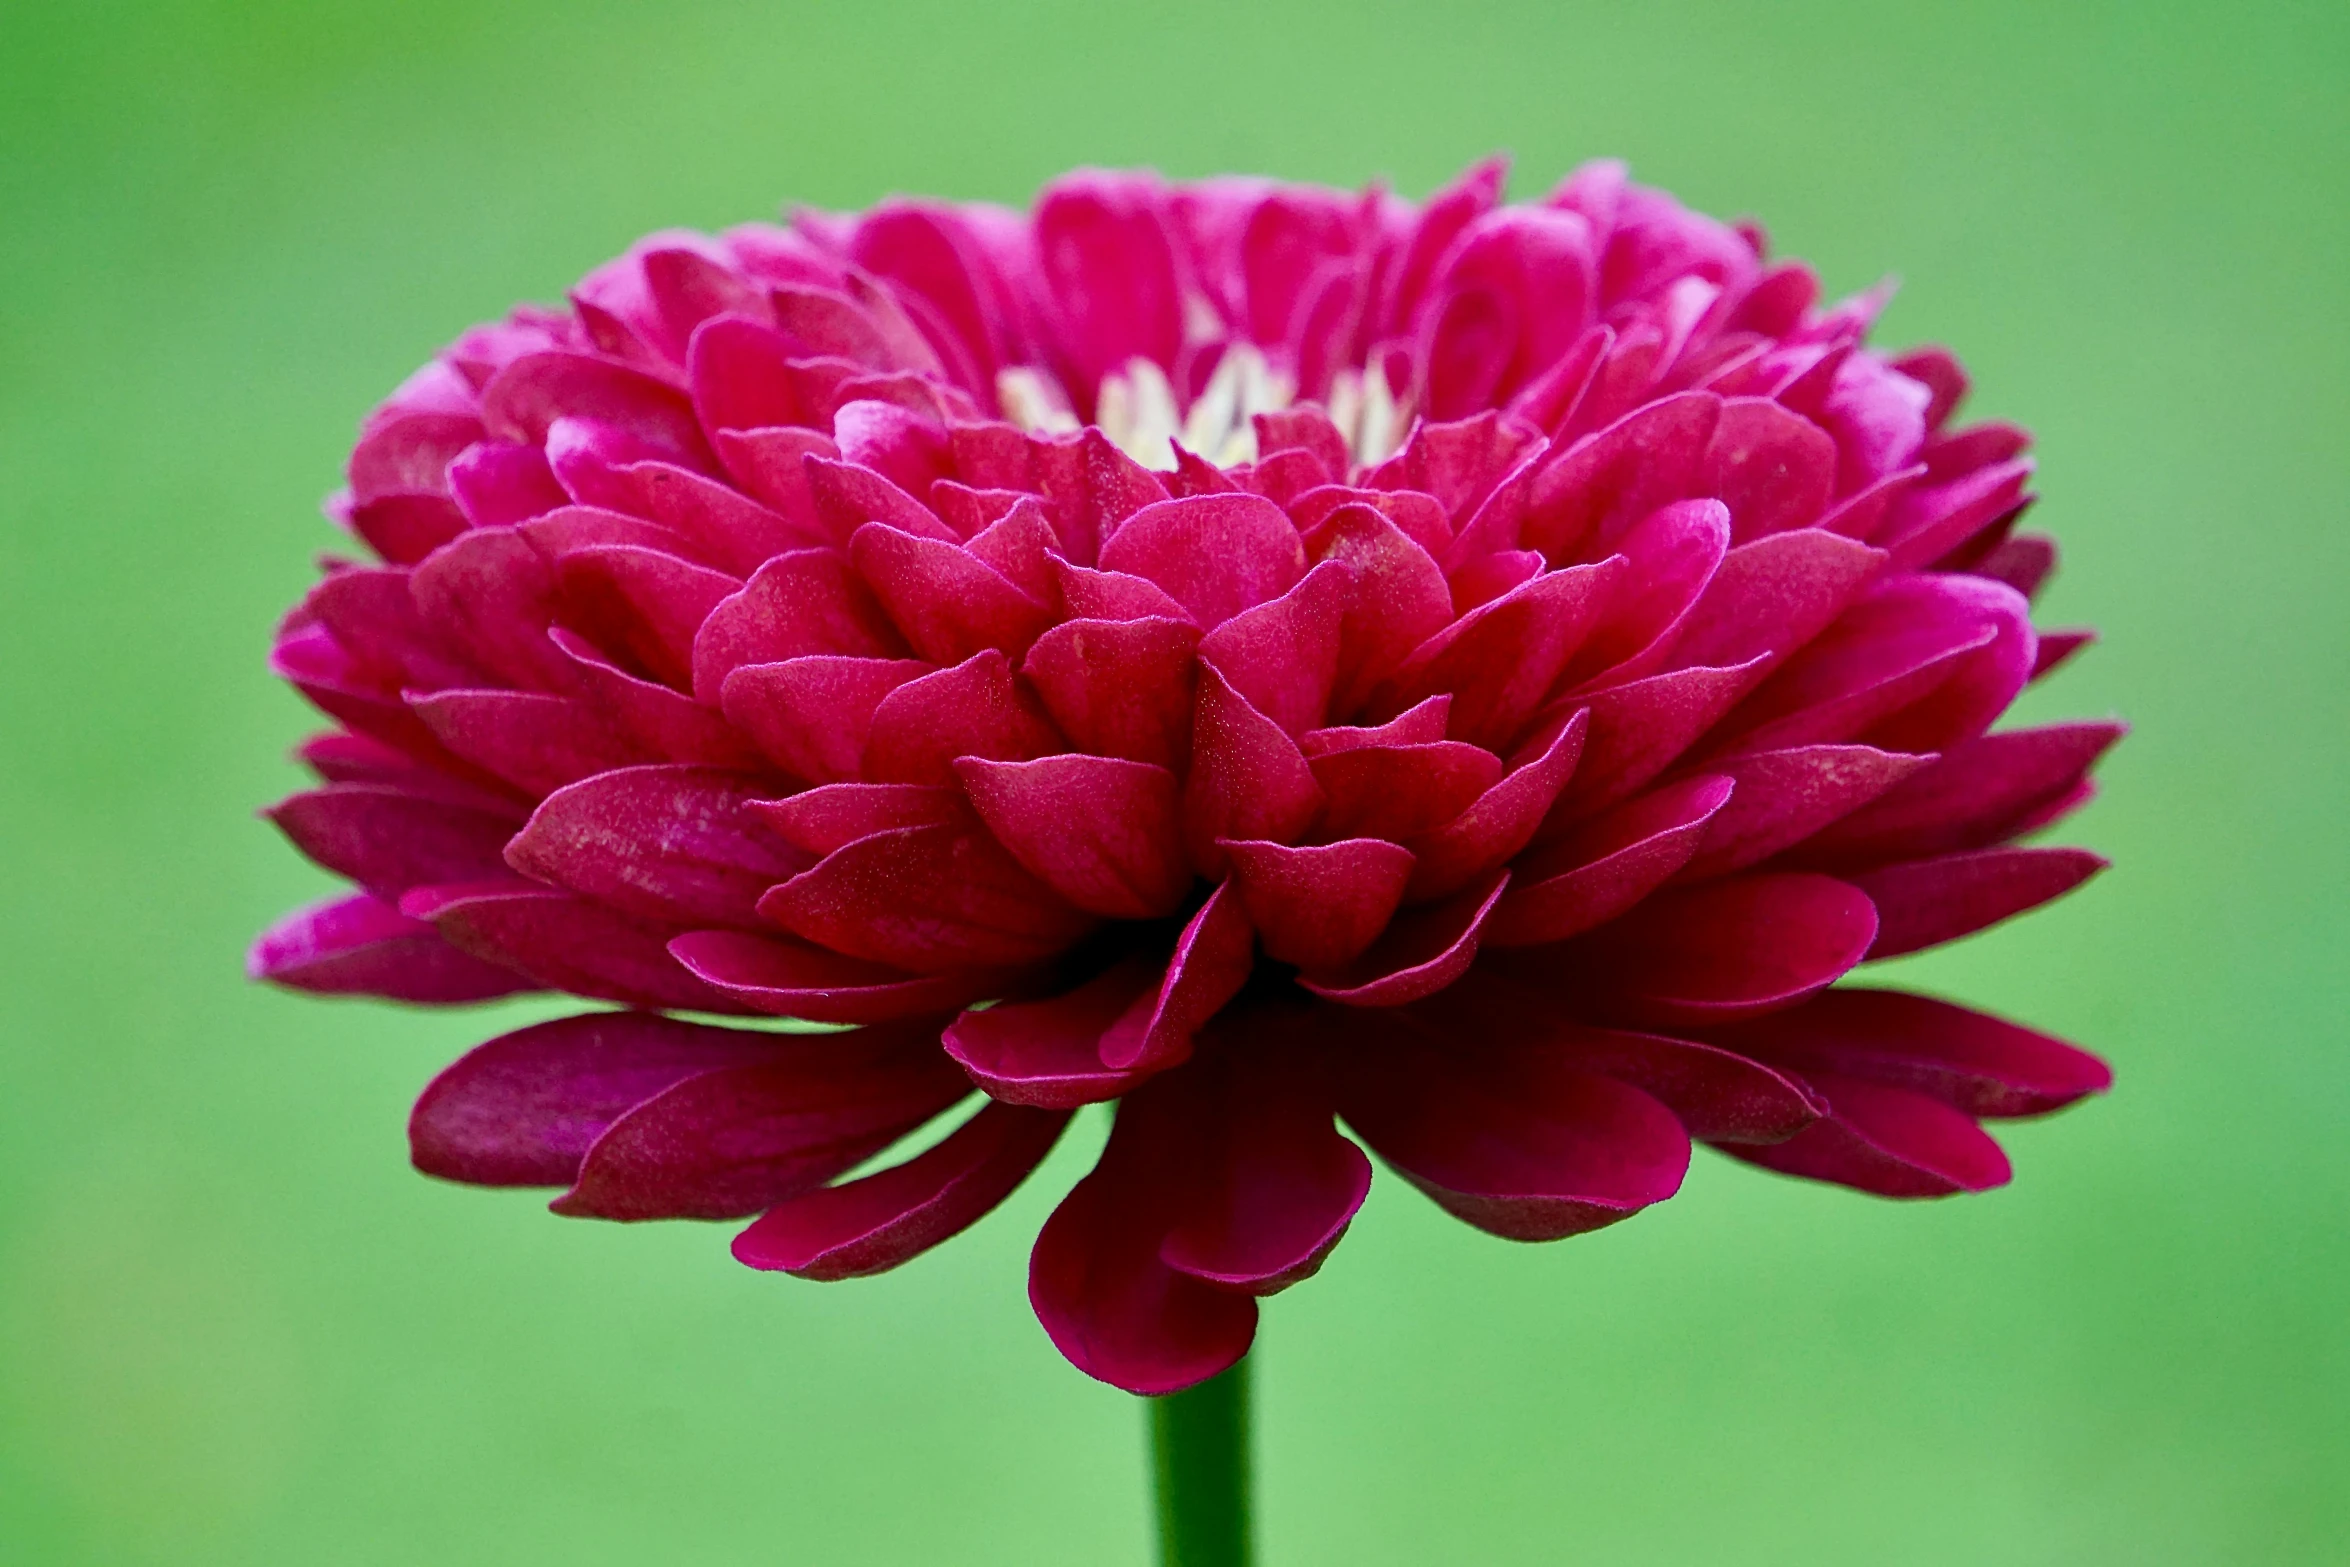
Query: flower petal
pixel 523 1109
pixel 1105 834
pixel 359 946
pixel 892 1216
pixel 1923 903
pixel 661 842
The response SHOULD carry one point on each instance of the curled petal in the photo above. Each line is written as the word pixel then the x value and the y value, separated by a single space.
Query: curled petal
pixel 1105 834
pixel 1319 907
pixel 1100 1287
pixel 786 978
pixel 1119 688
pixel 892 1216
pixel 1520 1147
pixel 1889 1142
pixel 389 839
pixel 1419 953
pixel 1609 863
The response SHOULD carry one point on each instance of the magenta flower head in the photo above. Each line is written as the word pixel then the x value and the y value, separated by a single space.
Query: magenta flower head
pixel 1459 680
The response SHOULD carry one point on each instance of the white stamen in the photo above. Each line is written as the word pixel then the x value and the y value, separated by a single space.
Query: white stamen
pixel 1032 400
pixel 1137 412
pixel 1382 427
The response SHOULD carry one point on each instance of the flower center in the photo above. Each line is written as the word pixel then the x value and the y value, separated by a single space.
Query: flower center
pixel 1138 410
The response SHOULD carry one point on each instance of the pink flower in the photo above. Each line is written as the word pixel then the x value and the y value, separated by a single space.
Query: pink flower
pixel 1267 656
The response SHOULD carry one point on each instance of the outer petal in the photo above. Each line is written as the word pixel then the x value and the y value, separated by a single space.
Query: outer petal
pixel 1890 1142
pixel 1277 1185
pixel 357 946
pixel 1523 1149
pixel 725 1144
pixel 793 979
pixel 523 1109
pixel 892 1216
pixel 1968 1060
pixel 1924 903
pixel 1727 950
pixel 666 843
pixel 1098 1283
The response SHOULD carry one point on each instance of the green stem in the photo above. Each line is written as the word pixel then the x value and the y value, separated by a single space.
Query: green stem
pixel 1200 1464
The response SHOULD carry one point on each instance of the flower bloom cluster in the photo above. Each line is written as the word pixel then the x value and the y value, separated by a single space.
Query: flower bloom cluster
pixel 1271 657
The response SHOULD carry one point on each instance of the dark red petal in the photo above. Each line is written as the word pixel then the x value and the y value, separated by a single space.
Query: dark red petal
pixel 1400 791
pixel 1119 688
pixel 1283 655
pixel 523 1109
pixel 892 1216
pixel 1774 468
pixel 565 942
pixel 1103 833
pixel 641 601
pixel 1248 779
pixel 1319 907
pixel 389 839
pixel 923 727
pixel 531 393
pixel 1607 864
pixel 1784 797
pixel 1587 497
pixel 1109 270
pixel 928 899
pixel 830 816
pixel 1970 1060
pixel 813 716
pixel 359 946
pixel 1973 796
pixel 786 978
pixel 797 605
pixel 492 596
pixel 1274 1186
pixel 1520 1147
pixel 1727 950
pixel 1049 1053
pixel 1118 1312
pixel 661 842
pixel 1216 555
pixel 1638 730
pixel 727 1143
pixel 948 602
pixel 1923 903
pixel 1714 1093
pixel 1421 951
pixel 725 527
pixel 1916 663
pixel 666 722
pixel 1501 660
pixel 736 369
pixel 1886 1141
pixel 537 743
pixel 1774 595
pixel 1674 552
pixel 1500 822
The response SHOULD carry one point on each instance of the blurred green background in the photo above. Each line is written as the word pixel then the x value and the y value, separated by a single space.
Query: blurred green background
pixel 235 1328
